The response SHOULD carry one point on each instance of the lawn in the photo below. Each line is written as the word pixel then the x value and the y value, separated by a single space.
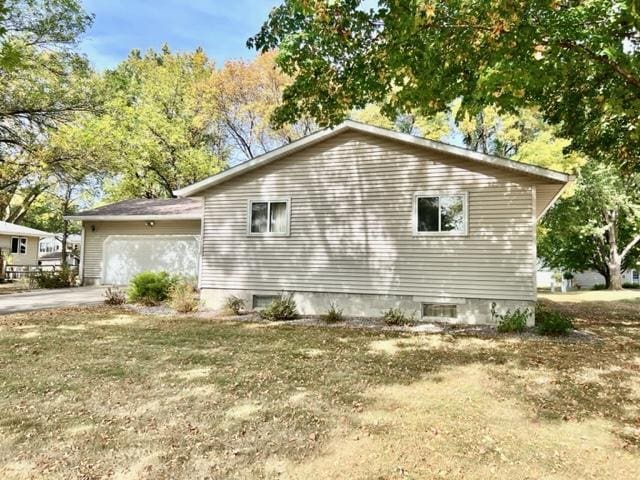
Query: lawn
pixel 104 393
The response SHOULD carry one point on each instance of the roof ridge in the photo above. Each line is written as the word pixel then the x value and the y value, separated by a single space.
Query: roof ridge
pixel 406 138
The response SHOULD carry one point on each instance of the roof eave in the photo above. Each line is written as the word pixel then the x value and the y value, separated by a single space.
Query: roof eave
pixel 133 217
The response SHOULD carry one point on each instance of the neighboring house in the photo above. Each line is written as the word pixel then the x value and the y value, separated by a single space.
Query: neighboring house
pixel 19 245
pixel 583 280
pixel 50 250
pixel 355 215
pixel 587 280
pixel 54 259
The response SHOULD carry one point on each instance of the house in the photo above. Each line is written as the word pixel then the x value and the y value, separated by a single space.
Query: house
pixel 354 215
pixel 50 250
pixel 19 245
pixel 584 280
pixel 590 278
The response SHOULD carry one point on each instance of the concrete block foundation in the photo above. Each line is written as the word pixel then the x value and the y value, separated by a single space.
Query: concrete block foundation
pixel 470 311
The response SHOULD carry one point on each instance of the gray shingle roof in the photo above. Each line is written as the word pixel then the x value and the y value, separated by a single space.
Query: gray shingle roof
pixel 148 208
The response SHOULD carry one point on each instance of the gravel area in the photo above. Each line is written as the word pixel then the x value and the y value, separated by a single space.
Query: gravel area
pixel 371 323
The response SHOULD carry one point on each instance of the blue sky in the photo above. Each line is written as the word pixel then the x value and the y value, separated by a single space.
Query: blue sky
pixel 221 27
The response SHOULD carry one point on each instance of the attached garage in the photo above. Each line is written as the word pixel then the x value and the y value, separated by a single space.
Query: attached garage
pixel 128 255
pixel 126 238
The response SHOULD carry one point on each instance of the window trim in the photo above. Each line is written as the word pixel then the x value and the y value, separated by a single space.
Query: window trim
pixel 269 201
pixel 441 193
pixel 26 245
pixel 437 318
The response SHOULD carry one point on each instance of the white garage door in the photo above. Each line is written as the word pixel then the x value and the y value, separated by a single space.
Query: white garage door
pixel 127 255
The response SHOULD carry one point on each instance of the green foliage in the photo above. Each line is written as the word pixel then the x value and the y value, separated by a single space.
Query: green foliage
pixel 44 85
pixel 66 277
pixel 157 130
pixel 596 226
pixel 632 286
pixel 334 314
pixel 46 24
pixel 578 61
pixel 511 321
pixel 235 305
pixel 599 286
pixel 183 296
pixel 282 308
pixel 150 288
pixel 114 296
pixel 552 323
pixel 396 317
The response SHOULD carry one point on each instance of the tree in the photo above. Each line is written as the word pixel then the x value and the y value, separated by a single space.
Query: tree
pixel 44 84
pixel 523 136
pixel 28 26
pixel 436 127
pixel 578 61
pixel 156 130
pixel 245 94
pixel 598 227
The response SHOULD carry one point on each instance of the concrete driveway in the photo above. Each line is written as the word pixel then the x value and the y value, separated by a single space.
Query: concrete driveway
pixel 50 298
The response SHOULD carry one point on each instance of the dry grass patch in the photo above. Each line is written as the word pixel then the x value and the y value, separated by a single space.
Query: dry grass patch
pixel 182 397
pixel 458 425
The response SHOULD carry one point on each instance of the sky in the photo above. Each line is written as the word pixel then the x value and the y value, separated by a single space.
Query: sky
pixel 221 27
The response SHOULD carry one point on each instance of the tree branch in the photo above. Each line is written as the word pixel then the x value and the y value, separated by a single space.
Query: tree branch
pixel 628 76
pixel 629 246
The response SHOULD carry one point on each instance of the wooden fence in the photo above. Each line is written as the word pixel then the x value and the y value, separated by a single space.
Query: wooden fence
pixel 18 272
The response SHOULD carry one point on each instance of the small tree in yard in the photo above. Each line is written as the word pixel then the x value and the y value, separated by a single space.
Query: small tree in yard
pixel 598 227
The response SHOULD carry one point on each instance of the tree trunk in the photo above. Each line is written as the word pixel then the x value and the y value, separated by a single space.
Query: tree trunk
pixel 614 262
pixel 615 273
pixel 65 234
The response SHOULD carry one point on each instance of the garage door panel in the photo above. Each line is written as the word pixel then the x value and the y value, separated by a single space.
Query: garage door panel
pixel 125 256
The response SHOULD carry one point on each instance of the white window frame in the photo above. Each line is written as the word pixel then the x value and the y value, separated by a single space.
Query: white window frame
pixel 26 245
pixel 439 233
pixel 269 201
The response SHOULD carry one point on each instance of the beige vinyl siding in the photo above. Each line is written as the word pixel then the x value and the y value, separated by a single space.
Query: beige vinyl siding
pixel 351 225
pixel 29 258
pixel 94 240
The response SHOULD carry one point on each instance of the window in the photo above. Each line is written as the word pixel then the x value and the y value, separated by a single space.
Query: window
pixel 269 217
pixel 439 310
pixel 440 213
pixel 262 301
pixel 19 245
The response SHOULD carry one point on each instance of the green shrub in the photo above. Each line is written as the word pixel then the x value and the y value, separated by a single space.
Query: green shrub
pixel 235 305
pixel 333 315
pixel 150 288
pixel 66 277
pixel 631 285
pixel 396 316
pixel 183 297
pixel 511 321
pixel 114 296
pixel 549 322
pixel 282 308
pixel 599 286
